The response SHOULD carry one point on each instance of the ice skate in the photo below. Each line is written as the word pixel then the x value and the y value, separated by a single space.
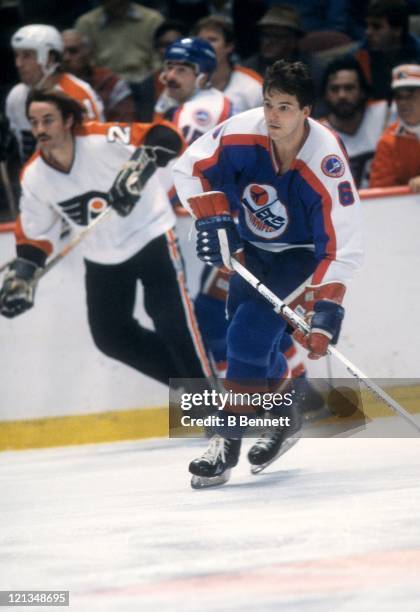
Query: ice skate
pixel 214 466
pixel 274 442
pixel 270 447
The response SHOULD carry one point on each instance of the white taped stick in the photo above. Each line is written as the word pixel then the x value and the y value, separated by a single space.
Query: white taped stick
pixel 296 321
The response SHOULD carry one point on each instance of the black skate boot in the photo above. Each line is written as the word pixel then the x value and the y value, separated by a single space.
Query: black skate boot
pixel 214 466
pixel 275 442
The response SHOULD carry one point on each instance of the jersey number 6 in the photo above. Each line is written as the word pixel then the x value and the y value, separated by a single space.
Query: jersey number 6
pixel 345 193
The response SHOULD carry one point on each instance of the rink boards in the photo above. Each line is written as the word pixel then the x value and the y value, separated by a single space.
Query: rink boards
pixel 56 388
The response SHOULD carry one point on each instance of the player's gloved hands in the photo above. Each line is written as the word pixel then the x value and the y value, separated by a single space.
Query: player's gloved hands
pixel 131 179
pixel 18 290
pixel 324 314
pixel 217 240
pixel 217 236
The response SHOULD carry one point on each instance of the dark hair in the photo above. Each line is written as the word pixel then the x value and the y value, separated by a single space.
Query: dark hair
pixel 394 11
pixel 218 23
pixel 168 26
pixel 293 78
pixel 345 63
pixel 68 107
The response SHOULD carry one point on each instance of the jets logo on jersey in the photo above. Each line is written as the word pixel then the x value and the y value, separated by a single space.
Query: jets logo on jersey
pixel 202 117
pixel 265 215
pixel 83 209
pixel 333 166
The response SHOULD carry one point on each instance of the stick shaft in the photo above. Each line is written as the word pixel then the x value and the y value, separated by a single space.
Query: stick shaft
pixel 285 311
pixel 72 244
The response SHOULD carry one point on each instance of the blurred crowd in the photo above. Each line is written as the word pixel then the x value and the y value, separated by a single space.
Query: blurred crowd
pixel 364 58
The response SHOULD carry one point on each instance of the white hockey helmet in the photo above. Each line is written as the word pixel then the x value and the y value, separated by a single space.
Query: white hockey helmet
pixel 40 38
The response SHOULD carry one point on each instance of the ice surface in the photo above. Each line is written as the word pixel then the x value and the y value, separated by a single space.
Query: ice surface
pixel 331 526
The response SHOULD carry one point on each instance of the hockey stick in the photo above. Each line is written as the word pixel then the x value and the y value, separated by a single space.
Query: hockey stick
pixel 294 319
pixel 142 174
pixel 72 244
pixel 5 265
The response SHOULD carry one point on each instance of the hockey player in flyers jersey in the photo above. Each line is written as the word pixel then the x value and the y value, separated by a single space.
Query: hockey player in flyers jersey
pixel 38 52
pixel 71 177
pixel 299 232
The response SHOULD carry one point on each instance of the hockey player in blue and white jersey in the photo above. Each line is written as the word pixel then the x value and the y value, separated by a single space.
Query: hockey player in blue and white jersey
pixel 188 100
pixel 299 231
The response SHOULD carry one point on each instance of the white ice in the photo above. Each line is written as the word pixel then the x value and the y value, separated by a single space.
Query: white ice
pixel 331 526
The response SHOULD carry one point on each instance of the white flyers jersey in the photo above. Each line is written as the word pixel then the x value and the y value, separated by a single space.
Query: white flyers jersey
pixel 244 89
pixel 16 112
pixel 80 195
pixel 313 204
pixel 361 145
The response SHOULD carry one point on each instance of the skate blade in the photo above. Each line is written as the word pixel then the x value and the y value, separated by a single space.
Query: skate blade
pixel 203 482
pixel 287 445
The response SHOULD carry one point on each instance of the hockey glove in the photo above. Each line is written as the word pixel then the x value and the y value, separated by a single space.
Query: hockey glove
pixel 133 176
pixel 131 179
pixel 217 236
pixel 18 291
pixel 217 240
pixel 325 316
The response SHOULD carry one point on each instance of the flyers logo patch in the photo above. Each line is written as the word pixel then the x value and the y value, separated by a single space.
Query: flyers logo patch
pixel 265 215
pixel 83 209
pixel 333 166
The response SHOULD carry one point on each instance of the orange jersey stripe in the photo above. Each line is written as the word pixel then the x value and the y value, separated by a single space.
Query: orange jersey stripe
pixel 251 73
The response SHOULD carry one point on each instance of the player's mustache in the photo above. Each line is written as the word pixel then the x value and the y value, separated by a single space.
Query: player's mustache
pixel 42 137
pixel 172 84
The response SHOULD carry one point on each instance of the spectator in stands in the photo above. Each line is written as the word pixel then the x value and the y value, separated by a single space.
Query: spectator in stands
pixel 148 91
pixel 168 32
pixel 280 31
pixel 397 158
pixel 114 92
pixel 358 121
pixel 321 15
pixel 122 37
pixel 387 44
pixel 243 86
pixel 279 34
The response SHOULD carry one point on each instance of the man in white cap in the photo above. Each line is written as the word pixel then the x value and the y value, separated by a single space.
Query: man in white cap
pixel 397 158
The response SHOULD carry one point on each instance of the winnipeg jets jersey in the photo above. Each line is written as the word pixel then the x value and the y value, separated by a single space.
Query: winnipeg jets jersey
pixel 16 113
pixel 79 195
pixel 244 89
pixel 314 204
pixel 202 112
pixel 361 145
